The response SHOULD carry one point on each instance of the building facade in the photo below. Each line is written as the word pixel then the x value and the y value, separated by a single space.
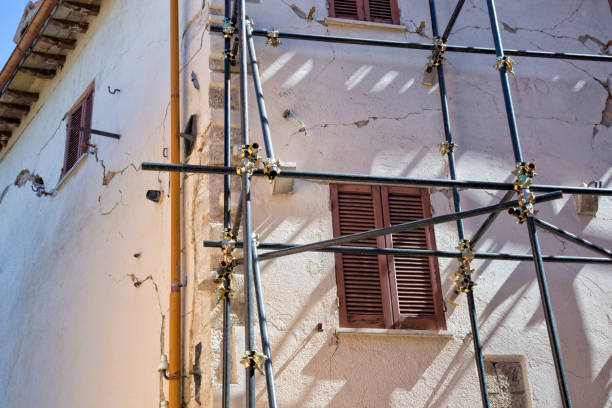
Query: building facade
pixel 85 250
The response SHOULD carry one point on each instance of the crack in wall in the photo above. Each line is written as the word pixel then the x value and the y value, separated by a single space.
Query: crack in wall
pixel 115 205
pixel 605 84
pixel 358 123
pixel 162 330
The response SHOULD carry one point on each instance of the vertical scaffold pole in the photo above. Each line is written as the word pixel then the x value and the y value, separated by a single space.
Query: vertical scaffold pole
pixel 263 330
pixel 227 220
pixel 249 339
pixel 457 202
pixel 533 237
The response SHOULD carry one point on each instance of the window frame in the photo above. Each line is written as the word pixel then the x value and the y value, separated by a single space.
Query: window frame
pixel 363 12
pixel 85 104
pixel 391 317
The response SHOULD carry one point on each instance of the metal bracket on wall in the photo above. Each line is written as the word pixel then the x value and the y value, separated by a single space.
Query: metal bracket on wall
pixel 97 132
pixel 190 134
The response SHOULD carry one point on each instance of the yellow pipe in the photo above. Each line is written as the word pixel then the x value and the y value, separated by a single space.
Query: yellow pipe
pixel 175 217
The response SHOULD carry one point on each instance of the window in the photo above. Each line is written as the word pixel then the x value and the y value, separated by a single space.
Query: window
pixel 380 11
pixel 380 291
pixel 506 381
pixel 76 141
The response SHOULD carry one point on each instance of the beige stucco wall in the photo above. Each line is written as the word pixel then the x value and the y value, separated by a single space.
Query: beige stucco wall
pixel 363 110
pixel 76 332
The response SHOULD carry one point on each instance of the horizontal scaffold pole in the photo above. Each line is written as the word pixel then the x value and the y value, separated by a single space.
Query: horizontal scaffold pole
pixel 420 253
pixel 411 225
pixel 426 46
pixel 376 180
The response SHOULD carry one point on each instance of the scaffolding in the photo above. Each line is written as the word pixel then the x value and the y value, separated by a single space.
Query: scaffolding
pixel 238 36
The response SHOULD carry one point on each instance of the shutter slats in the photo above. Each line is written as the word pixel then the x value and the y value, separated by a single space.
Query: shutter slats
pixel 412 275
pixel 72 142
pixel 380 10
pixel 361 272
pixel 346 9
pixel 76 141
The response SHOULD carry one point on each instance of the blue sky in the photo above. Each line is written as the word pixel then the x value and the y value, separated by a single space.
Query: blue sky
pixel 11 12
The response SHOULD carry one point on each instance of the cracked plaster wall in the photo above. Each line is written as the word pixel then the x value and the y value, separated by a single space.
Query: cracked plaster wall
pixel 364 110
pixel 76 330
pixel 69 270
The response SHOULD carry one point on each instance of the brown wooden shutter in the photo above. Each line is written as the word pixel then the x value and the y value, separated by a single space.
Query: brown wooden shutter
pixel 77 141
pixel 382 11
pixel 73 139
pixel 87 109
pixel 350 9
pixel 362 280
pixel 416 294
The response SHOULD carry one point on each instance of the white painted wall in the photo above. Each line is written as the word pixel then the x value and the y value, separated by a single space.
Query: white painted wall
pixel 75 330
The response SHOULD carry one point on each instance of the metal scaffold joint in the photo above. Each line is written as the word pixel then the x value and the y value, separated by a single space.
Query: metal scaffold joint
pixel 437 54
pixel 447 147
pixel 225 277
pixel 271 168
pixel 250 159
pixel 255 360
pixel 524 173
pixel 272 38
pixel 505 62
pixel 231 56
pixel 464 272
pixel 229 28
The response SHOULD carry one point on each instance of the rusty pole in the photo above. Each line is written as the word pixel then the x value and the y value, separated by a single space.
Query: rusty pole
pixel 175 217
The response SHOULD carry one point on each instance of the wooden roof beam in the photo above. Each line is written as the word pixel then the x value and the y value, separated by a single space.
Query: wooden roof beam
pixel 50 59
pixel 11 123
pixel 14 95
pixel 62 43
pixel 38 72
pixel 15 108
pixel 5 135
pixel 72 26
pixel 82 8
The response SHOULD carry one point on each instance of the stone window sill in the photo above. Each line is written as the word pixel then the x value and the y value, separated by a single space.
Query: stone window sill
pixel 440 334
pixel 341 22
pixel 73 170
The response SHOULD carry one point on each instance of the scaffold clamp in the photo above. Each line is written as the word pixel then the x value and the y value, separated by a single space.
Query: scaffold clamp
pixel 254 359
pixel 228 28
pixel 250 158
pixel 437 54
pixel 524 172
pixel 271 169
pixel 272 38
pixel 447 147
pixel 505 62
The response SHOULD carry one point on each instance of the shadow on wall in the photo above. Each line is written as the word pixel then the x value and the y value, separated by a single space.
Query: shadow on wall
pixel 352 362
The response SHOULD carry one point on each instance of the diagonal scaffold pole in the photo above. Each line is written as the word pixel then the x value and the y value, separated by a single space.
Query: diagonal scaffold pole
pixel 349 178
pixel 403 227
pixel 553 229
pixel 527 214
pixel 271 166
pixel 452 20
pixel 448 147
pixel 423 253
pixel 249 339
pixel 489 221
pixel 263 330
